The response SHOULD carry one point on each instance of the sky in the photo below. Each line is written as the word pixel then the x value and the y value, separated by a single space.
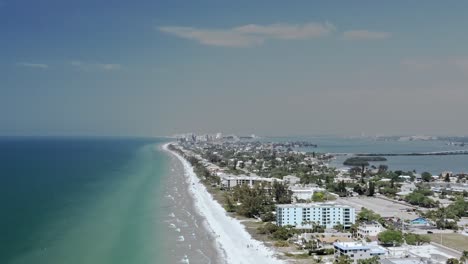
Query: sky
pixel 154 68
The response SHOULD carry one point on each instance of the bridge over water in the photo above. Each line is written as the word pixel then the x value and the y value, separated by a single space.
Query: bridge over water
pixel 434 153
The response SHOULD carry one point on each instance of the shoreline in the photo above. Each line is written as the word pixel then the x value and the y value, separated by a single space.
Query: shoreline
pixel 233 241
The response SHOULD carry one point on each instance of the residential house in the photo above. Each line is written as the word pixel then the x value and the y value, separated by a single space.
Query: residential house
pixel 291 179
pixel 358 250
pixel 369 229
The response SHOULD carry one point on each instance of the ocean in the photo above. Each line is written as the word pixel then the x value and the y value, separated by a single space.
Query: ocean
pixel 76 200
pixel 102 200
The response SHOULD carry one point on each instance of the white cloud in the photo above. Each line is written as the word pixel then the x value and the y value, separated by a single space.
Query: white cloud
pixel 32 65
pixel 365 35
pixel 226 38
pixel 288 31
pixel 249 35
pixel 96 66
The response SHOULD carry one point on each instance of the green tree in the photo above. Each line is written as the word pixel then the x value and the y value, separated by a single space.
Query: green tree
pixel 340 189
pixel 458 208
pixel 371 190
pixel 283 233
pixel 416 239
pixel 373 260
pixel 253 201
pixel 318 197
pixel 312 244
pixel 339 227
pixel 447 177
pixel 368 215
pixel 360 189
pixel 281 193
pixel 452 261
pixel 391 237
pixel 382 168
pixel 268 217
pixel 388 191
pixel 343 259
pixel 420 197
pixel 228 203
pixel 464 256
pixel 426 176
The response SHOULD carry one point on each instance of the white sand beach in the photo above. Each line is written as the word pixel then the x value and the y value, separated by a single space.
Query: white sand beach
pixel 235 243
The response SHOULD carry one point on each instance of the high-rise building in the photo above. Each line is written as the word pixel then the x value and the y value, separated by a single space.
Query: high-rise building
pixel 305 215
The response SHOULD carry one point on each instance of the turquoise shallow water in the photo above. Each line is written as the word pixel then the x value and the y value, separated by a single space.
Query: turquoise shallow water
pixel 107 200
pixel 81 201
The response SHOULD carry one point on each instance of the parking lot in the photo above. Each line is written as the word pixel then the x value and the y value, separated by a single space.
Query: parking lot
pixel 383 207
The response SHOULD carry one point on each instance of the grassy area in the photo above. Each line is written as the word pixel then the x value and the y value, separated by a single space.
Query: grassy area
pixel 217 194
pixel 298 256
pixel 452 240
pixel 251 227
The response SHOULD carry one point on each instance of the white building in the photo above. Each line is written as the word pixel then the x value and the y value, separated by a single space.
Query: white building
pixel 406 178
pixel 230 181
pixel 427 253
pixel 369 229
pixel 385 180
pixel 358 250
pixel 417 177
pixel 304 192
pixel 345 179
pixel 291 179
pixel 323 214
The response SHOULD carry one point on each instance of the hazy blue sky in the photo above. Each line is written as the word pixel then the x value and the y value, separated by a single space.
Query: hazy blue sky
pixel 94 67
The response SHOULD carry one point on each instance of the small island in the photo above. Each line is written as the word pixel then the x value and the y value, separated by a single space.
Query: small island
pixel 359 161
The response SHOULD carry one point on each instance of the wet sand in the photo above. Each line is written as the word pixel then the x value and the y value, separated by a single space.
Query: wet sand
pixel 188 232
pixel 233 242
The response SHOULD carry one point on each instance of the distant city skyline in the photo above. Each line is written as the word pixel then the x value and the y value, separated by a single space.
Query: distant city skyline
pixel 158 68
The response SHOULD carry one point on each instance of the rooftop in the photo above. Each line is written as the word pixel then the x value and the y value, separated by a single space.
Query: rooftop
pixel 290 177
pixel 309 205
pixel 372 246
pixel 246 177
pixel 427 251
pixel 296 188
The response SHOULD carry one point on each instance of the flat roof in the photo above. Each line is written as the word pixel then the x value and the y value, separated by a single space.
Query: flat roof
pixel 310 205
pixel 305 188
pixel 290 176
pixel 251 178
pixel 353 244
pixel 373 247
pixel 224 176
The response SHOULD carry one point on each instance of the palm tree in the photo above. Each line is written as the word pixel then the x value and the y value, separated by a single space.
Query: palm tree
pixel 464 256
pixel 452 261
